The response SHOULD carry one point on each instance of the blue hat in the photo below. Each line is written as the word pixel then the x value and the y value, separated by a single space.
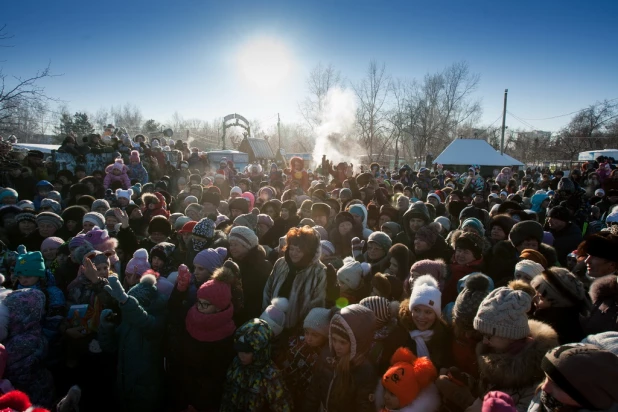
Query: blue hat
pixel 30 264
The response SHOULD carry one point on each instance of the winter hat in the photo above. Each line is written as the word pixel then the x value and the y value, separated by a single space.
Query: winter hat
pixel 249 220
pixel 99 203
pixel 566 184
pixel 418 210
pixel 245 236
pixel 236 190
pixel 52 204
pixel 51 218
pixel 408 376
pixel 25 205
pixel 264 220
pixel 345 193
pixel 182 221
pixel 587 374
pixel 124 193
pixel 503 313
pixel 535 256
pixel 391 212
pixel 607 341
pixel 380 307
pixel 394 228
pixel 426 292
pixel 318 320
pixel 139 263
pixel 599 193
pixel 95 218
pixel 274 314
pixel 211 259
pixel 351 274
pixel 435 196
pixel 134 156
pixel 470 241
pixel 194 207
pixel 321 231
pixel 343 217
pixel 560 213
pixel 189 200
pixel 145 291
pixel 381 239
pixel 603 245
pixel 216 292
pixel 429 233
pixel 320 209
pixel 525 230
pixel 381 284
pixel 250 198
pixel 561 288
pixel 306 222
pixel 436 268
pixel 506 222
pixel 51 243
pixel 30 264
pixel 328 249
pixel 7 191
pixel 240 203
pixel 159 224
pixel 444 222
pixel 476 288
pixel 475 224
pixel 213 198
pixel 356 324
pixel 529 267
pixel 496 401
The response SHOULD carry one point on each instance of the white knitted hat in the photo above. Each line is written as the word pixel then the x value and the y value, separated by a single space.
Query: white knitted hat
pixel 124 193
pixel 95 218
pixel 426 292
pixel 529 267
pixel 318 319
pixel 503 313
pixel 274 314
pixel 245 236
pixel 352 272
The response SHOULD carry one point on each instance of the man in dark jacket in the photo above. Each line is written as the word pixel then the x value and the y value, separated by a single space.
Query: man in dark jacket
pixel 567 235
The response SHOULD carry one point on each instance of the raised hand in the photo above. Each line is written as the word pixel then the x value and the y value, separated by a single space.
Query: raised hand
pixel 115 289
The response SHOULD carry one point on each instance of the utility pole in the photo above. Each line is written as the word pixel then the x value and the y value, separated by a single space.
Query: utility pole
pixel 506 92
pixel 279 130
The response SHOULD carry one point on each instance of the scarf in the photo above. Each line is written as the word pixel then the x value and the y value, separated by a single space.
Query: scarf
pixel 420 337
pixel 212 327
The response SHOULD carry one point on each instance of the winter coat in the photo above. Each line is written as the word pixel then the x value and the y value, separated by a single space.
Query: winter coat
pixel 358 398
pixel 26 346
pixel 138 172
pixel 254 272
pixel 428 400
pixel 604 314
pixel 535 406
pixel 450 292
pixel 566 241
pixel 439 250
pixel 82 291
pixel 308 288
pixel 138 342
pixel 501 260
pixel 122 177
pixel 516 374
pixel 565 321
pixel 258 386
pixel 297 366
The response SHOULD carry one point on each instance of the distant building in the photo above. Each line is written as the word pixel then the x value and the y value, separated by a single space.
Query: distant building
pixel 535 134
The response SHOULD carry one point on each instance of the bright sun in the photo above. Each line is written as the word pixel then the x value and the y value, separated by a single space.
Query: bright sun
pixel 264 63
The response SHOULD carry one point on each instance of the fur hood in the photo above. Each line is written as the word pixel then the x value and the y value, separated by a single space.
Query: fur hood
pixel 603 288
pixel 505 371
pixel 427 401
pixel 454 235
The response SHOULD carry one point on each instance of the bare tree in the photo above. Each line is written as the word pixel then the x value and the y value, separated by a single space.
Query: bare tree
pixel 321 79
pixel 372 93
pixel 128 116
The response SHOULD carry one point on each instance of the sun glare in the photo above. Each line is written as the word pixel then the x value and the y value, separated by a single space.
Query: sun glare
pixel 264 63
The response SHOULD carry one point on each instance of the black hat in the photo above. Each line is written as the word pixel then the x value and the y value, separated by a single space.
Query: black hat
pixel 75 213
pixel 343 217
pixel 240 203
pixel 320 209
pixel 470 241
pixel 160 224
pixel 211 197
pixel 526 230
pixel 560 213
pixel 603 245
pixel 290 206
pixel 504 221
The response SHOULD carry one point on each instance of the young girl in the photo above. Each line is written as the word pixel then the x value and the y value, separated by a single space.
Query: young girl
pixel 407 386
pixel 49 249
pixel 421 329
pixel 117 172
pixel 344 379
pixel 352 286
pixel 303 353
pixel 468 258
pixel 136 170
pixel 253 381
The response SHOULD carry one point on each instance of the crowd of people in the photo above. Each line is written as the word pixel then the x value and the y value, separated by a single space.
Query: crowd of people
pixel 187 286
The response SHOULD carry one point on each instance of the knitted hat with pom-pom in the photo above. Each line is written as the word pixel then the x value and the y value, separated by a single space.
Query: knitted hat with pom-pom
pixel 503 313
pixel 249 220
pixel 274 314
pixel 380 307
pixel 139 263
pixel 145 291
pixel 351 274
pixel 408 376
pixel 426 292
pixel 318 319
pixel 476 287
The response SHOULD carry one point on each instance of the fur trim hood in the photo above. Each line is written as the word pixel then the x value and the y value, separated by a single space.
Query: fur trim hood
pixel 603 288
pixel 427 401
pixel 507 371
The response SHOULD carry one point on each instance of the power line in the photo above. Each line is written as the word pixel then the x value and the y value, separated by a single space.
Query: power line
pixel 567 114
pixel 489 127
pixel 522 121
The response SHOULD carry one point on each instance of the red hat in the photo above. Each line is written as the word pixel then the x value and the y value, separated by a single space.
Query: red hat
pixel 408 376
pixel 17 401
pixel 188 227
pixel 216 292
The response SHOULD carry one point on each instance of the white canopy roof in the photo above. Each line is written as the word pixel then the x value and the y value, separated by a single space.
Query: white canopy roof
pixel 473 152
pixel 514 162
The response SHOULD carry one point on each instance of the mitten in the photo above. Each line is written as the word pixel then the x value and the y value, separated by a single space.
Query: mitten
pixel 357 246
pixel 455 396
pixel 116 290
pixel 184 277
pixel 105 318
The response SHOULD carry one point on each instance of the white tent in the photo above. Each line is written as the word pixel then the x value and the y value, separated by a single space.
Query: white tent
pixel 514 162
pixel 473 152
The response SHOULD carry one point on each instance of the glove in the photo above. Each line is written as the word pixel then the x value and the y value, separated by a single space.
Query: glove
pixel 105 317
pixel 357 246
pixel 454 395
pixel 115 289
pixel 184 277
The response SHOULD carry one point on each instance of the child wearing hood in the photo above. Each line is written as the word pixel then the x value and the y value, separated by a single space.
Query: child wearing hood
pixel 407 386
pixel 253 381
pixel 42 190
pixel 117 172
pixel 344 379
pixel 136 170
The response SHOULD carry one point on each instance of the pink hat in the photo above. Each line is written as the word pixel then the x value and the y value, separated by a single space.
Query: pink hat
pixel 139 263
pixel 217 293
pixel 118 164
pixel 101 240
pixel 51 243
pixel 435 268
pixel 134 156
pixel 249 196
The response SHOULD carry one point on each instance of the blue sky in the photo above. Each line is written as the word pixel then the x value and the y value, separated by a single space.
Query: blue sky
pixel 188 56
